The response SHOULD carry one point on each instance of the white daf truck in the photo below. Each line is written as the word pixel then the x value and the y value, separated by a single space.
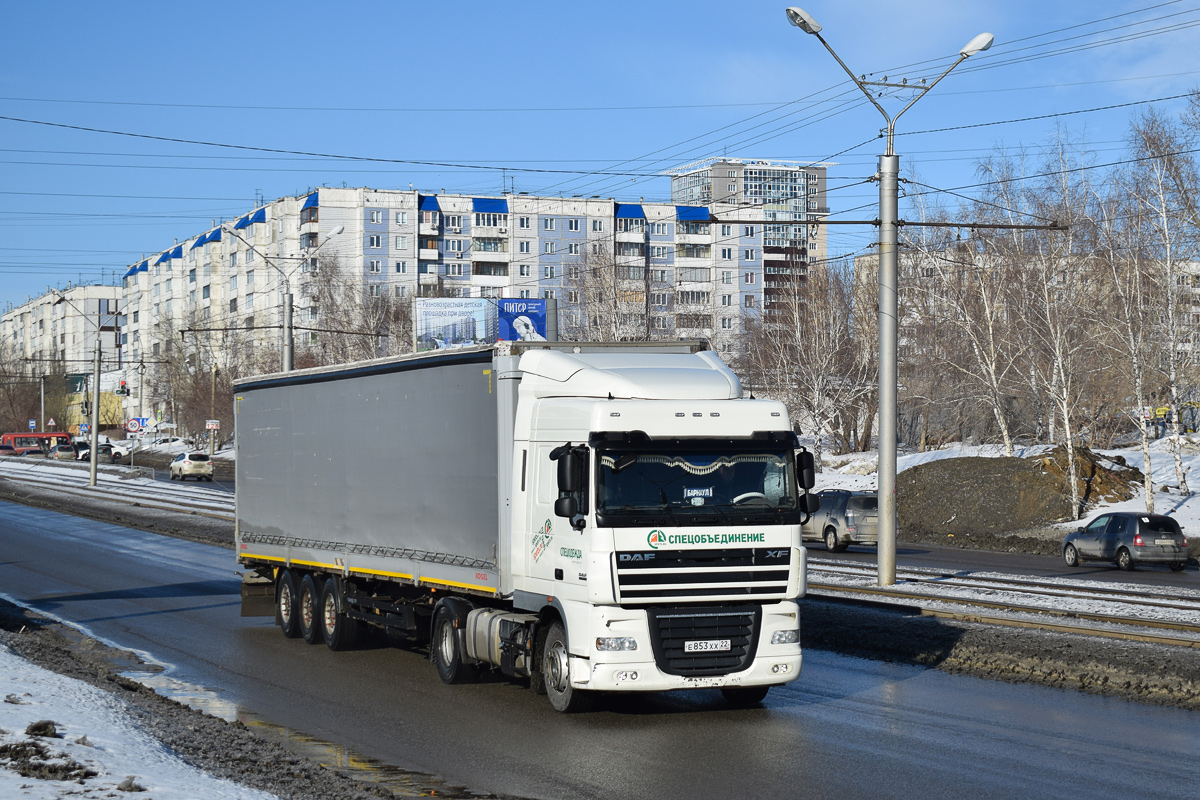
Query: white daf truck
pixel 592 517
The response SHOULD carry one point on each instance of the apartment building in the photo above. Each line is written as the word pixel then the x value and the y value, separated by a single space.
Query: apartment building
pixel 56 332
pixel 779 205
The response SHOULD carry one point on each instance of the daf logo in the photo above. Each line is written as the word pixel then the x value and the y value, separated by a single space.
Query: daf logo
pixel 776 553
pixel 635 556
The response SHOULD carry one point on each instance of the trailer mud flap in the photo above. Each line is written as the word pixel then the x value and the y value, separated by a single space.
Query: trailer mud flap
pixel 258 596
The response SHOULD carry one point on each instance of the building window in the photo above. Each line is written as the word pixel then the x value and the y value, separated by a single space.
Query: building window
pixel 572 296
pixel 401 242
pixel 748 255
pixel 429 217
pixel 751 301
pixel 727 253
pixel 573 225
pixel 488 220
pixel 597 225
pixel 376 290
pixel 748 231
pixel 401 217
pixel 454 245
pixel 402 267
pixel 573 248
pixel 249 306
pixel 376 217
pixel 454 220
pixel 524 271
pixel 204 292
pixel 232 304
pixel 401 291
pixel 524 294
pixel 727 277
pixel 548 224
pixel 232 283
pixel 308 241
pixel 375 265
pixel 548 247
pixel 658 228
pixel 732 187
pixel 727 323
pixel 726 299
pixel 658 299
pixel 191 276
pixel 523 222
pixel 374 241
pixel 547 272
pixel 548 294
pixel 306 215
pixel 249 279
pixel 312 314
pixel 523 247
pixel 750 278
pixel 312 338
pixel 455 270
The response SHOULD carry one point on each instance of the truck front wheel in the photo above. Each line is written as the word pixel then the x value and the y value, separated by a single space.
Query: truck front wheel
pixel 308 608
pixel 446 648
pixel 556 674
pixel 286 604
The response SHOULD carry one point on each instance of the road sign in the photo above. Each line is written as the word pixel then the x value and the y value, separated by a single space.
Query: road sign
pixel 33 424
pixel 133 425
pixel 83 427
pixel 212 425
pixel 51 423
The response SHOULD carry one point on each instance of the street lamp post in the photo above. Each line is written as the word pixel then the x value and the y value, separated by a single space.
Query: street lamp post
pixel 93 455
pixel 889 173
pixel 289 348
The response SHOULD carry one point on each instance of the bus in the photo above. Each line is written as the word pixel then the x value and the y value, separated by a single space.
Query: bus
pixel 32 442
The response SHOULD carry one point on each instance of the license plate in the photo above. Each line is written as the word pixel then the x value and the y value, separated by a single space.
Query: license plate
pixel 1164 541
pixel 706 645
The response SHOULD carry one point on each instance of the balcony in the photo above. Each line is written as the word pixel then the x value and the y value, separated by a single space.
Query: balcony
pixel 693 238
pixel 428 254
pixel 631 236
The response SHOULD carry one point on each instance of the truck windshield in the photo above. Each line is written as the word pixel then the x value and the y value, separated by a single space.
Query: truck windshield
pixel 695 487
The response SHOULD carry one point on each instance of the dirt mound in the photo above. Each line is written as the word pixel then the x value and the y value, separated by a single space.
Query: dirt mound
pixel 981 498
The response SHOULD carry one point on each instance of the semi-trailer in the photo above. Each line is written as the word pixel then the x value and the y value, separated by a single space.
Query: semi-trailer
pixel 590 516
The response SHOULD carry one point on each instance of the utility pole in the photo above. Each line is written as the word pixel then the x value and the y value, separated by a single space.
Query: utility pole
pixel 42 419
pixel 212 412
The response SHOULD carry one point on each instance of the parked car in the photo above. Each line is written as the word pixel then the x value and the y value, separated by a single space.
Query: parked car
pixel 106 452
pixel 1127 538
pixel 62 452
pixel 173 440
pixel 844 518
pixel 192 465
pixel 10 451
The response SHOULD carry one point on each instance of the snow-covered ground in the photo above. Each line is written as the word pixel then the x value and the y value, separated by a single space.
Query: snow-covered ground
pixel 97 734
pixel 856 472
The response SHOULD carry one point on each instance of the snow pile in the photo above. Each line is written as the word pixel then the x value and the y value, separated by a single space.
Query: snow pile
pixel 92 749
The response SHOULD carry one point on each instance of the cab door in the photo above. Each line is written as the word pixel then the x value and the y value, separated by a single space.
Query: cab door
pixel 1088 541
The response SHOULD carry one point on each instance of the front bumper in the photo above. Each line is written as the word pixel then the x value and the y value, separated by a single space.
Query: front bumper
pixel 639 670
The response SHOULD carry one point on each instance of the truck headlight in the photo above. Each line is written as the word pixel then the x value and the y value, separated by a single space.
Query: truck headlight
pixel 785 637
pixel 613 643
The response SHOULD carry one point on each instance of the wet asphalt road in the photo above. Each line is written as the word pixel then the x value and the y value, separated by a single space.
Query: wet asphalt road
pixel 847 728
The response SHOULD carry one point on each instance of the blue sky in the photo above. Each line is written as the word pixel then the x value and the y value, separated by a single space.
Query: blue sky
pixel 538 96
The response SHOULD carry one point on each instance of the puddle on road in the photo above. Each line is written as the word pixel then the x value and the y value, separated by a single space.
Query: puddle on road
pixel 332 756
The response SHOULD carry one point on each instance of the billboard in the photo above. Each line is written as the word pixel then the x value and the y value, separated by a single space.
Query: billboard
pixel 443 322
pixel 522 320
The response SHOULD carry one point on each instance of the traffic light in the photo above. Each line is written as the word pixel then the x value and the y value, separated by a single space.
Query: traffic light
pixel 124 389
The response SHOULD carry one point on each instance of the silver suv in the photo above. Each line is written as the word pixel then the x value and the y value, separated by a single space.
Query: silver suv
pixel 844 518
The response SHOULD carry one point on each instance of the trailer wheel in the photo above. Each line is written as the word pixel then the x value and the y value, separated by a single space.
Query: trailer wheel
pixel 341 632
pixel 556 674
pixel 287 595
pixel 446 648
pixel 308 609
pixel 745 696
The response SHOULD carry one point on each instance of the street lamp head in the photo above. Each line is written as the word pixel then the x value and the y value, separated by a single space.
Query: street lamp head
pixel 980 43
pixel 341 228
pixel 801 19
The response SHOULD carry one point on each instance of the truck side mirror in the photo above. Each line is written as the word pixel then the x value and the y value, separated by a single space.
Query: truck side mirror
pixel 566 507
pixel 811 503
pixel 806 470
pixel 568 472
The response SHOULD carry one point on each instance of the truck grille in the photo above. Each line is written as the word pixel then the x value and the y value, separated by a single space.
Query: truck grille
pixel 670 628
pixel 658 576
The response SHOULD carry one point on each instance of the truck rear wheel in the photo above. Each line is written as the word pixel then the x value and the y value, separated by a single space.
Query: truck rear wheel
pixel 446 648
pixel 556 674
pixel 340 632
pixel 308 608
pixel 286 604
pixel 744 696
